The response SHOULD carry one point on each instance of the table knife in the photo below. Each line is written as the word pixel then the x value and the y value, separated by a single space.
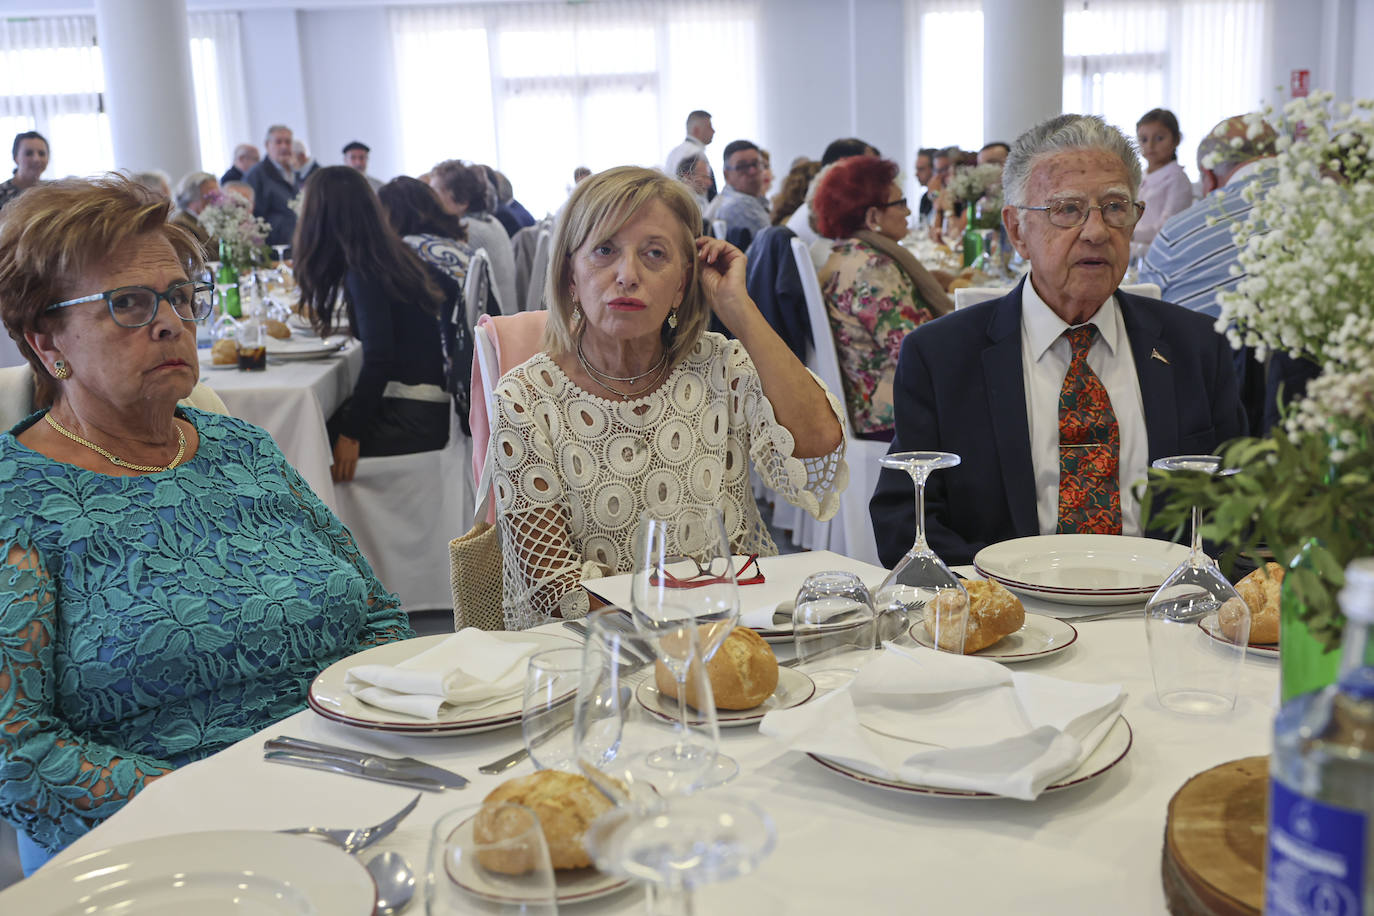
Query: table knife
pixel 394 767
pixel 334 765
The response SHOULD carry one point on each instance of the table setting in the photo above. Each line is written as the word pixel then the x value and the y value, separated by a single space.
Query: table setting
pixel 855 768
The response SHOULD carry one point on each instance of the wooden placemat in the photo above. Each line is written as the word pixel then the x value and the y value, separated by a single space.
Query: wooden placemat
pixel 1214 841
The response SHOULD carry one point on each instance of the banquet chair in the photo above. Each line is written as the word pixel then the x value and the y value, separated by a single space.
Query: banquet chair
pixel 16 396
pixel 851 531
pixel 500 344
pixel 479 293
pixel 403 510
pixel 534 298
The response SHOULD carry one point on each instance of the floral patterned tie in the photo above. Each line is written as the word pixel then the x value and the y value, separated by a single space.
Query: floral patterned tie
pixel 1089 446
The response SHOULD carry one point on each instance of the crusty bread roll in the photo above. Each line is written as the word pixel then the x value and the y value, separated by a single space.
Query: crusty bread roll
pixel 1260 591
pixel 224 353
pixel 743 673
pixel 994 612
pixel 277 329
pixel 565 803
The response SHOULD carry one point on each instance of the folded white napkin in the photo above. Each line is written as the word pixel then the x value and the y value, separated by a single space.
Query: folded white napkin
pixel 470 668
pixel 953 722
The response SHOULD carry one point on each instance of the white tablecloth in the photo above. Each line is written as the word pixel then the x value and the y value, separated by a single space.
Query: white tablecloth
pixel 842 847
pixel 291 400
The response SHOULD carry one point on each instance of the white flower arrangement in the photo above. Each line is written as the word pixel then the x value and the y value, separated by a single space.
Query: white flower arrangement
pixel 971 183
pixel 1306 258
pixel 231 220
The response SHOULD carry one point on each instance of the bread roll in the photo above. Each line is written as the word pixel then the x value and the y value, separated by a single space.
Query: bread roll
pixel 277 329
pixel 1260 592
pixel 565 803
pixel 743 673
pixel 224 353
pixel 993 613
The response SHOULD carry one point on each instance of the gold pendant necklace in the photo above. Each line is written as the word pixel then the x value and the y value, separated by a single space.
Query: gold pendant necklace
pixel 115 460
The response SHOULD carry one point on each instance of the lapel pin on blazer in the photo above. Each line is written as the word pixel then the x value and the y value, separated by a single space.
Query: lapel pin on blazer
pixel 1155 354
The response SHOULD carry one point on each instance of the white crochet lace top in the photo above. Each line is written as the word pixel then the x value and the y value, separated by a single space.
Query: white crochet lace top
pixel 574 472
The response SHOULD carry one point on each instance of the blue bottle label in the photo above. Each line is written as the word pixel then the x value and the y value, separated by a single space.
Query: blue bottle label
pixel 1316 856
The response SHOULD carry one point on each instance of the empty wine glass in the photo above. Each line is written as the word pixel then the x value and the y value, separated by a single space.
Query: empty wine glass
pixel 921 585
pixel 551 683
pixel 1194 674
pixel 489 859
pixel 684 598
pixel 834 627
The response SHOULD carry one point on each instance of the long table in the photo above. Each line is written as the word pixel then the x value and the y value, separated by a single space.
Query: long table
pixel 292 400
pixel 842 847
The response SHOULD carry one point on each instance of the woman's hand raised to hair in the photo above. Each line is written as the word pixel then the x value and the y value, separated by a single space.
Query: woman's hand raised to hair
pixel 722 282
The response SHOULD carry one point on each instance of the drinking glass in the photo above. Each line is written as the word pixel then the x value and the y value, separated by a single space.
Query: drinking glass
pixel 1194 674
pixel 465 874
pixel 684 599
pixel 551 683
pixel 834 627
pixel 921 585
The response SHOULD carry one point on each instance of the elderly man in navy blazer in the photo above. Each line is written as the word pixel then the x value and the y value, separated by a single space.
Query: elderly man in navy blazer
pixel 1058 395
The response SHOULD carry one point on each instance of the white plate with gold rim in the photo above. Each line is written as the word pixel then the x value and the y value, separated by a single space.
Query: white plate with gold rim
pixel 794 688
pixel 1093 569
pixel 572 885
pixel 1038 637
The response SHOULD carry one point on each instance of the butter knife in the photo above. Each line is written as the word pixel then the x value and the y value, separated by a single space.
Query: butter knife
pixel 333 765
pixel 392 767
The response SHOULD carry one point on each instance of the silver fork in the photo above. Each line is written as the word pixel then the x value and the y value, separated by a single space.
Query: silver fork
pixel 358 839
pixel 1103 615
pixel 628 668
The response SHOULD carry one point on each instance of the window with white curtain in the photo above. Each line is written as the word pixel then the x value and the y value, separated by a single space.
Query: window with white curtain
pixel 51 81
pixel 1201 59
pixel 537 89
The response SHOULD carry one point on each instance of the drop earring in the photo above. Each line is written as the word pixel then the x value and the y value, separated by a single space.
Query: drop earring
pixel 576 311
pixel 672 319
pixel 60 370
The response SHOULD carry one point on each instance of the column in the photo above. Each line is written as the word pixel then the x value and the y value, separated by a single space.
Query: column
pixel 1023 65
pixel 146 54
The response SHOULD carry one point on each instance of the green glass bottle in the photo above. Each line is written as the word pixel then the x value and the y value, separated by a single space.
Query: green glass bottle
pixel 227 281
pixel 1305 662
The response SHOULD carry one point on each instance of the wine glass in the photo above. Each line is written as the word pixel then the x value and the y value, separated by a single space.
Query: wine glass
pixel 834 627
pixel 551 683
pixel 671 844
pixel 684 599
pixel 1193 675
pixel 281 254
pixel 921 582
pixel 489 859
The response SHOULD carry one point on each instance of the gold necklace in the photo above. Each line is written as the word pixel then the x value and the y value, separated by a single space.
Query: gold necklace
pixel 115 460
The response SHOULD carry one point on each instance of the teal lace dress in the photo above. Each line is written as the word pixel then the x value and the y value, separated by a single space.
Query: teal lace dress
pixel 146 622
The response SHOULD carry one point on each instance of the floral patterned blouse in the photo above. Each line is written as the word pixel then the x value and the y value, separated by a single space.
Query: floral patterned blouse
pixel 873 305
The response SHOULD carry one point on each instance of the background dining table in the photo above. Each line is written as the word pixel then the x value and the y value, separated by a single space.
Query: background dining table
pixel 292 399
pixel 842 847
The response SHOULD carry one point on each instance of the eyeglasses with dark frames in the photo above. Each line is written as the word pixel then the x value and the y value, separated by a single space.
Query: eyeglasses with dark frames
pixel 1072 212
pixel 749 573
pixel 136 306
pixel 899 202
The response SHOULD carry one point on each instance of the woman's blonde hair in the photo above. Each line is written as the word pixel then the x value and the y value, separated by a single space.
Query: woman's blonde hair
pixel 53 233
pixel 599 206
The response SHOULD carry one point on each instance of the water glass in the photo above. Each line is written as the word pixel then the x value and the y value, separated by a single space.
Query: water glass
pixel 487 860
pixel 834 627
pixel 551 684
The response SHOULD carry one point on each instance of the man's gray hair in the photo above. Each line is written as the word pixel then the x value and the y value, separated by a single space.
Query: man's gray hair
pixel 188 188
pixel 1063 134
pixel 267 137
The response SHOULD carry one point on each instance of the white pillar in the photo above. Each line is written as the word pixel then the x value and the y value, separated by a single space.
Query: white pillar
pixel 1023 65
pixel 146 54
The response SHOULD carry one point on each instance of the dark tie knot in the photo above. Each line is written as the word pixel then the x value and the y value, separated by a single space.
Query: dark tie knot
pixel 1081 338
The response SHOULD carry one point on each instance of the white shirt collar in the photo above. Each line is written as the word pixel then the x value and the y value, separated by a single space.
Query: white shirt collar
pixel 1044 327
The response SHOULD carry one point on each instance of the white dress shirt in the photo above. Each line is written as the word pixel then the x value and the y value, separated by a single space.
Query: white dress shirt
pixel 1045 355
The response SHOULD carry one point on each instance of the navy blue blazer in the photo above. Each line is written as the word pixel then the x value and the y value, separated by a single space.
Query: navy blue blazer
pixel 959 388
pixel 272 195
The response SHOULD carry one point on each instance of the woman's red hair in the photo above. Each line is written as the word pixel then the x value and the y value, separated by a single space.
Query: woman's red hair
pixel 847 189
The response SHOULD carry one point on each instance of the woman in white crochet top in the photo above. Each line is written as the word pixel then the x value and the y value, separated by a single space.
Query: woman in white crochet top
pixel 633 405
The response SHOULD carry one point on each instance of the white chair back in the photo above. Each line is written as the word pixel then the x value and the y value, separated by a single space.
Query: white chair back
pixel 485 352
pixel 477 287
pixel 16 396
pixel 851 531
pixel 9 352
pixel 534 299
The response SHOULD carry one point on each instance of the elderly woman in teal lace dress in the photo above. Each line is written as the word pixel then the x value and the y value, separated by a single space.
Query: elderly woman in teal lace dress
pixel 169 585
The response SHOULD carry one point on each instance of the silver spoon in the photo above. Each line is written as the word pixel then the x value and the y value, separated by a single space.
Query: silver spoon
pixel 395 882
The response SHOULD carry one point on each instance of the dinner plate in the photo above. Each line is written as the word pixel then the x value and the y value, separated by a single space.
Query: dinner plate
pixel 1108 753
pixel 1081 568
pixel 330 698
pixel 783 634
pixel 794 688
pixel 214 873
pixel 1039 636
pixel 1208 625
pixel 309 348
pixel 572 885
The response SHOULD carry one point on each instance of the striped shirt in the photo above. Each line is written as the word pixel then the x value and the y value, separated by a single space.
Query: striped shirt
pixel 1190 259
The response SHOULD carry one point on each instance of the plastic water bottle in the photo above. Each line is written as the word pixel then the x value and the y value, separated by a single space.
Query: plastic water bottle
pixel 1321 780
